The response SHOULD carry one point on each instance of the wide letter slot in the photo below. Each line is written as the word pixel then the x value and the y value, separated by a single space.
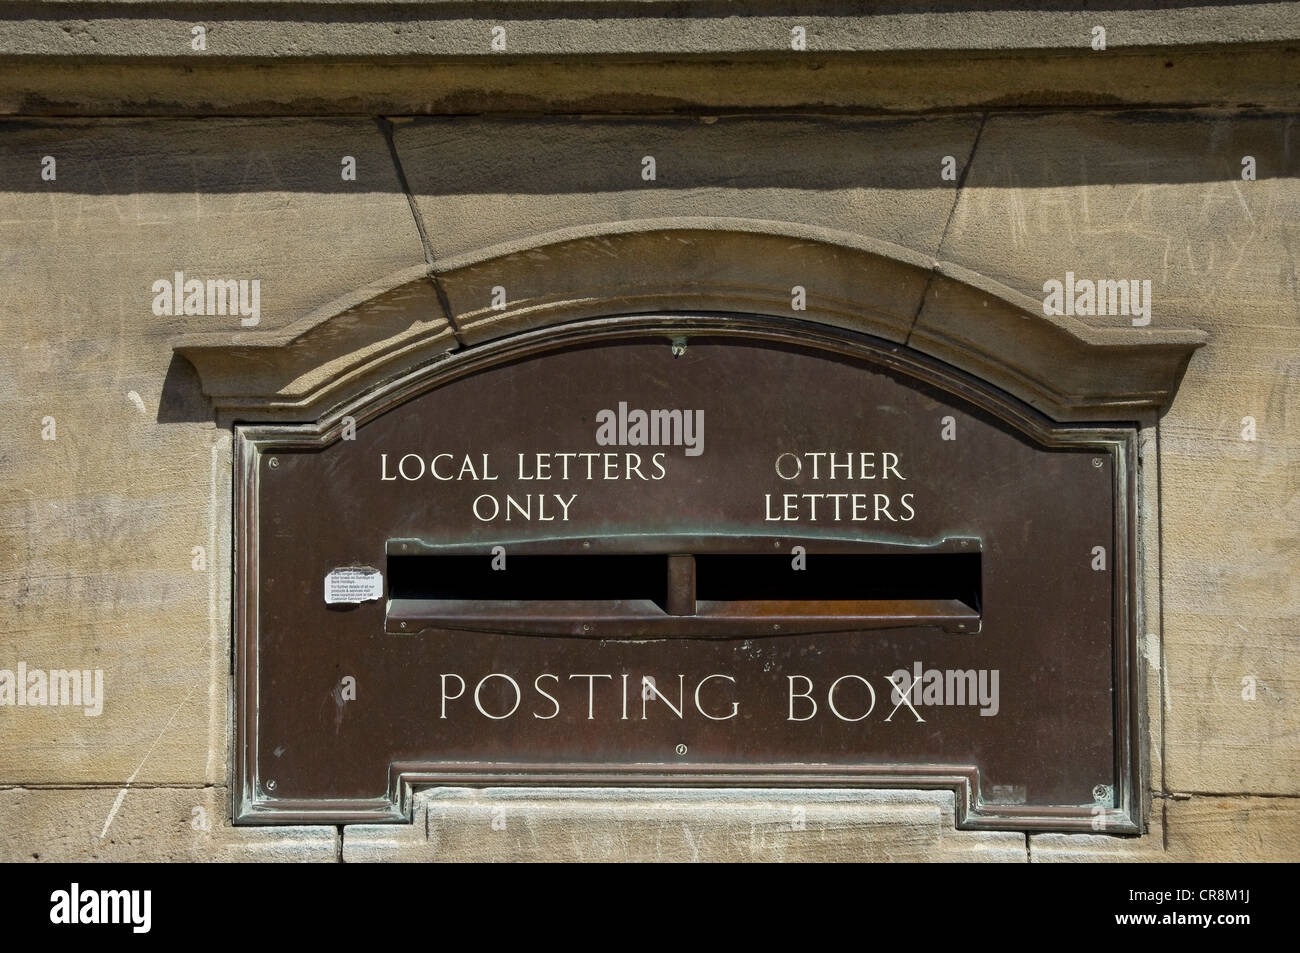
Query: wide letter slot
pixel 697 588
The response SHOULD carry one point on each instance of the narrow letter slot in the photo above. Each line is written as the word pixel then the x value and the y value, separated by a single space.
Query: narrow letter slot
pixel 871 590
pixel 720 587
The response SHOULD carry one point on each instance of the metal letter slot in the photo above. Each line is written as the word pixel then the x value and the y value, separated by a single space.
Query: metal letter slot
pixel 709 587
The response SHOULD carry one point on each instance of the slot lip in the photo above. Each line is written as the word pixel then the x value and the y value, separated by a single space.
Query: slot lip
pixel 644 620
pixel 696 544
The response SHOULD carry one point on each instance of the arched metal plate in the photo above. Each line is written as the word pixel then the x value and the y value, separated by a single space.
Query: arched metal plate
pixel 684 551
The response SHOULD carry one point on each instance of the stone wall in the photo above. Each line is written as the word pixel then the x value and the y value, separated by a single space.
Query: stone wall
pixel 101 510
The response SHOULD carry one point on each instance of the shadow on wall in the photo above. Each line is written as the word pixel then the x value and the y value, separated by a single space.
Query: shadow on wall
pixel 569 155
pixel 182 400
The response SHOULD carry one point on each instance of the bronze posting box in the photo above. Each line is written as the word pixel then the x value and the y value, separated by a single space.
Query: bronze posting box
pixel 687 552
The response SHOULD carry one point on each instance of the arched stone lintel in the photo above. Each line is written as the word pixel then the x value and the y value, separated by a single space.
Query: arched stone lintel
pixel 1059 365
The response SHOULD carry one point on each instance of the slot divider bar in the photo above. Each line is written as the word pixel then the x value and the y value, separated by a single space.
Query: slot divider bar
pixel 681 584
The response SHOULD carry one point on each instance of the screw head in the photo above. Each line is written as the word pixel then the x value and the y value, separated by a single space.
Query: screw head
pixel 1097 462
pixel 273 462
pixel 271 785
pixel 679 347
pixel 681 749
pixel 402 625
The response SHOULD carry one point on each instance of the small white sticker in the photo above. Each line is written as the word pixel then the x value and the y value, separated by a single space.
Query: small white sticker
pixel 353 585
